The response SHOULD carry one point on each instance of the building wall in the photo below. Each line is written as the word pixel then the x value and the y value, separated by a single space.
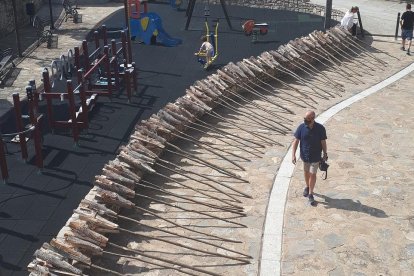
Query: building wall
pixel 6 14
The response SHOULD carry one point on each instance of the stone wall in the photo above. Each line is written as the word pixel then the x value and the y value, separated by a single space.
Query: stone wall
pixel 291 5
pixel 6 14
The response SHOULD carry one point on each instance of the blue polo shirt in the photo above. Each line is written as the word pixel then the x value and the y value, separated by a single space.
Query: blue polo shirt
pixel 310 141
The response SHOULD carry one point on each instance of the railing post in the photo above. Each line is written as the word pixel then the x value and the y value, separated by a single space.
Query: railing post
pixel 49 102
pixel 3 163
pixel 104 35
pixel 72 111
pixel 96 35
pixel 19 125
pixel 115 62
pixel 32 83
pixel 108 71
pixel 85 51
pixel 397 26
pixel 125 50
pixel 85 108
pixel 77 58
pixel 135 77
pixel 35 123
pixel 128 83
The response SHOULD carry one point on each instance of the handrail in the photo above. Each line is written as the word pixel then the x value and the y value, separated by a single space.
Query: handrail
pixel 95 52
pixel 18 133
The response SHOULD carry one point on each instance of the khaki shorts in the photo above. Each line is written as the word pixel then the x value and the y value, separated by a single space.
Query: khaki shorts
pixel 311 167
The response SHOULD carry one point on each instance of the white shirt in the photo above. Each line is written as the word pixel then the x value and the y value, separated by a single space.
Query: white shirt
pixel 206 46
pixel 348 20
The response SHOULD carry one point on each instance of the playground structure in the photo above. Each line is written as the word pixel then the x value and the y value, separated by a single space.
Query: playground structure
pixel 78 119
pixel 147 26
pixel 80 99
pixel 190 10
pixel 103 71
pixel 22 133
pixel 250 27
pixel 123 74
pixel 213 39
pixel 93 72
pixel 176 4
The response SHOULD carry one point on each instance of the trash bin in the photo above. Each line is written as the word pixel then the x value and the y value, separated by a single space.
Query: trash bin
pixel 77 18
pixel 53 41
pixel 30 9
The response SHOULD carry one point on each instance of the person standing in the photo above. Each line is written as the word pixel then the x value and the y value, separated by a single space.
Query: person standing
pixel 406 23
pixel 312 139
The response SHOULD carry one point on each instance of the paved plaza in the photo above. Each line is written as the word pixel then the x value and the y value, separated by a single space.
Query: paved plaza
pixel 363 223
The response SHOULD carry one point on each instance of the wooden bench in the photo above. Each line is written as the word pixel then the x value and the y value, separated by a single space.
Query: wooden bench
pixel 70 8
pixel 43 31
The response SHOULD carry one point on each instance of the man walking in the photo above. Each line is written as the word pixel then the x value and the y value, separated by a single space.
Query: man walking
pixel 406 23
pixel 312 139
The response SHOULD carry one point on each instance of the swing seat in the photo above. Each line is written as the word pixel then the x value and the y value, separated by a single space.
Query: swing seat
pixel 201 54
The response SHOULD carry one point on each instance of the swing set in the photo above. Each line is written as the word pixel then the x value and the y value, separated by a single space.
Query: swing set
pixel 203 56
pixel 213 39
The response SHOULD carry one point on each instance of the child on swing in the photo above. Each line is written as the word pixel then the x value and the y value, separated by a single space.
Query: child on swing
pixel 208 49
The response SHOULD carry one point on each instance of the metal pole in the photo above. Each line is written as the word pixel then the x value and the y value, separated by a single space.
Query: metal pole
pixel 52 25
pixel 223 5
pixel 16 29
pixel 397 25
pixel 128 31
pixel 328 14
pixel 360 23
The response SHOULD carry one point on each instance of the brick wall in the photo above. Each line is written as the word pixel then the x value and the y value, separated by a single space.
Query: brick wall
pixel 6 14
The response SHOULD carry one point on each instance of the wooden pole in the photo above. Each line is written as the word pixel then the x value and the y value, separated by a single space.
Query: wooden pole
pixel 19 125
pixel 35 123
pixel 3 163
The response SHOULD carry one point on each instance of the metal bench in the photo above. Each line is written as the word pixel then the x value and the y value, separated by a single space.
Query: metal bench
pixel 43 31
pixel 5 58
pixel 70 8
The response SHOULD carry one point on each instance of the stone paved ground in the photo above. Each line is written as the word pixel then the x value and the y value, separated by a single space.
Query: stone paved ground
pixel 363 223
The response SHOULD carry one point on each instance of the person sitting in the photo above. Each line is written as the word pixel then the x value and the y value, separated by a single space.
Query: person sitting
pixel 206 49
pixel 347 21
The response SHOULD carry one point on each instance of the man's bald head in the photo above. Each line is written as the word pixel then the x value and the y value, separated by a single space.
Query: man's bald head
pixel 310 115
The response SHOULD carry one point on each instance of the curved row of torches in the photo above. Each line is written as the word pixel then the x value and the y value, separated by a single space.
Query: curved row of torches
pixel 84 238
